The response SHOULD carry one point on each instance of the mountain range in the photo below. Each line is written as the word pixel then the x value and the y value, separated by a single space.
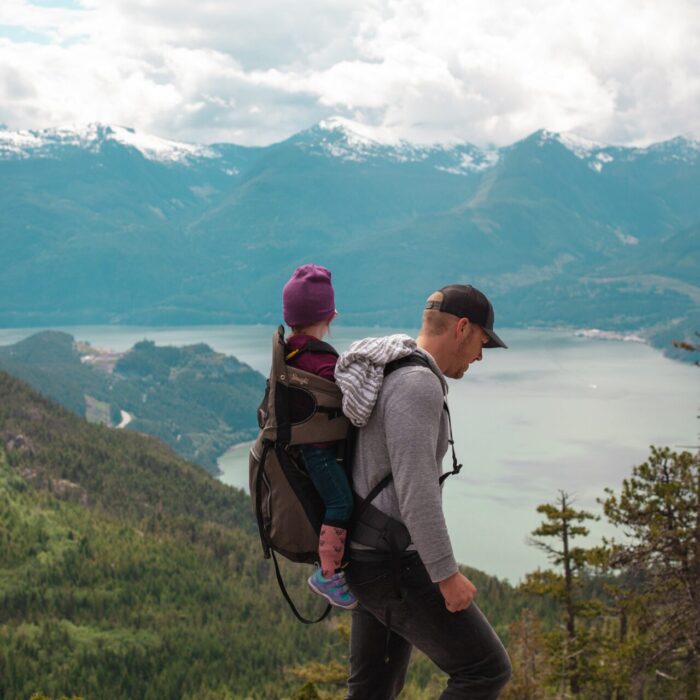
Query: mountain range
pixel 107 225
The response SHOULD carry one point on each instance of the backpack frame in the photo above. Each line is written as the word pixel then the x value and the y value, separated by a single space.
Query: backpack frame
pixel 298 408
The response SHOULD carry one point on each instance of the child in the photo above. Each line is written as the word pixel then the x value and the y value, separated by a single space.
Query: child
pixel 309 308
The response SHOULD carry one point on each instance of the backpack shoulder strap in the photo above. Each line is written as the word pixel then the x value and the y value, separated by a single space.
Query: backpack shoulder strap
pixel 414 359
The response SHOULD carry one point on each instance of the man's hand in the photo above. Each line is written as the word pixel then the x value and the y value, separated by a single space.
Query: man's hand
pixel 458 592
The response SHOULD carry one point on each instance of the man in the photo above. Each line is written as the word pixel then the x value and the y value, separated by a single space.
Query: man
pixel 420 599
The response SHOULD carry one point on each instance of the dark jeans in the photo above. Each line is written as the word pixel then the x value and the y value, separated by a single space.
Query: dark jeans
pixel 332 484
pixel 462 644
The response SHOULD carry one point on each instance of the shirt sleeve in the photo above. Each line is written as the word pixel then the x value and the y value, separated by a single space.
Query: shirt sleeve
pixel 326 366
pixel 412 414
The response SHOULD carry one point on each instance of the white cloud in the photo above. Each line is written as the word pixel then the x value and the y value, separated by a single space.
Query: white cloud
pixel 424 70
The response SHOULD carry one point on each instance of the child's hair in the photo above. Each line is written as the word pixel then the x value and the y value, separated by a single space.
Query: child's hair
pixel 300 330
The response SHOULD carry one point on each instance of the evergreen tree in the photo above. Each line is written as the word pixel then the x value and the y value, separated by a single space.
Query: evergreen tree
pixel 529 657
pixel 563 525
pixel 658 509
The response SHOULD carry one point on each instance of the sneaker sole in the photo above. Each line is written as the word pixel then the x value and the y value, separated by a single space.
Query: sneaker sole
pixel 351 606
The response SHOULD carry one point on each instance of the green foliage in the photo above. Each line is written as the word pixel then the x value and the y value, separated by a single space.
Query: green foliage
pixel 307 692
pixel 632 603
pixel 123 473
pixel 502 602
pixel 128 573
pixel 658 587
pixel 529 657
pixel 156 589
pixel 568 645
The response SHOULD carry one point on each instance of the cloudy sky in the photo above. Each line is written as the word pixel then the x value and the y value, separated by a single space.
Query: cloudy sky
pixel 257 71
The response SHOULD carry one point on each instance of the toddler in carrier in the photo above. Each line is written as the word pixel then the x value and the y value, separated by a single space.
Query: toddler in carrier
pixel 308 309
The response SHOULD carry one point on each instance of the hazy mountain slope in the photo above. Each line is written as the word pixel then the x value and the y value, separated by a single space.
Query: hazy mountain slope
pixel 92 223
pixel 129 573
pixel 197 401
pixel 117 227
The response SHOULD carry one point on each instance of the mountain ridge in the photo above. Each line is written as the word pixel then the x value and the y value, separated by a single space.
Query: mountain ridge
pixel 332 130
pixel 558 230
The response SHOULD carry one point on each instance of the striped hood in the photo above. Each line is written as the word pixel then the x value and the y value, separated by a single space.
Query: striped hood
pixel 360 372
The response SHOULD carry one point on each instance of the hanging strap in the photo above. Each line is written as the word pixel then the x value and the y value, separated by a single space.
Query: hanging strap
pixel 268 551
pixel 258 499
pixel 456 466
pixel 287 597
pixel 377 525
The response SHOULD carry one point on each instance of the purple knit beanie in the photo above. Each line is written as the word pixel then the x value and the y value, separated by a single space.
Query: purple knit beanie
pixel 308 296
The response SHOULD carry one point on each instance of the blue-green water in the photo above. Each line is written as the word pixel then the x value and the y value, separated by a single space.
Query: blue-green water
pixel 554 411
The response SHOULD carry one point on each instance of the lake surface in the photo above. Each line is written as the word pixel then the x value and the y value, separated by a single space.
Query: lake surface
pixel 554 411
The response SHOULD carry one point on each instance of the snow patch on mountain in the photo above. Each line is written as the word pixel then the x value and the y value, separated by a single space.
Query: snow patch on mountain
pixel 600 160
pixel 46 143
pixel 342 138
pixel 597 154
pixel 349 141
pixel 16 143
pixel 680 149
pixel 156 148
pixel 474 161
pixel 350 131
pixel 581 147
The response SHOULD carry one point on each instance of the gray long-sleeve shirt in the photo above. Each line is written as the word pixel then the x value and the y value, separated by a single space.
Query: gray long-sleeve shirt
pixel 407 436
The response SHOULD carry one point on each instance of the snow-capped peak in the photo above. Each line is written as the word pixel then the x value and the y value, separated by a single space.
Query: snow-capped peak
pixel 14 142
pixel 580 146
pixel 156 148
pixel 680 148
pixel 347 140
pixel 45 142
pixel 353 132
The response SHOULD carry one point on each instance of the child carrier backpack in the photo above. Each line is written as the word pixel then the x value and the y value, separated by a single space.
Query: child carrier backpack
pixel 298 408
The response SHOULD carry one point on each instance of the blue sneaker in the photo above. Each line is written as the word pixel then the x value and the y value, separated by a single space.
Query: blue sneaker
pixel 334 589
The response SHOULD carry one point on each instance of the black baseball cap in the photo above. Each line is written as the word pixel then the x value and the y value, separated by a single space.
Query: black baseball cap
pixel 465 301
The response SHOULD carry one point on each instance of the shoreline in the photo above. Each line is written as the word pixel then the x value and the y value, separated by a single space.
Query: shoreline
pixel 235 471
pixel 644 335
pixel 236 446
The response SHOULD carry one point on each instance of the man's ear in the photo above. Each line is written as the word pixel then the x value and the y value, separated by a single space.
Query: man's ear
pixel 462 324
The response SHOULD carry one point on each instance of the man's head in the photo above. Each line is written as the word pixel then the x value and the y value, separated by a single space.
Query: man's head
pixel 457 325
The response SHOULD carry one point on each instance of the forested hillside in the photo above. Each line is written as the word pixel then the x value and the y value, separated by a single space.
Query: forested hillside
pixel 127 572
pixel 198 401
